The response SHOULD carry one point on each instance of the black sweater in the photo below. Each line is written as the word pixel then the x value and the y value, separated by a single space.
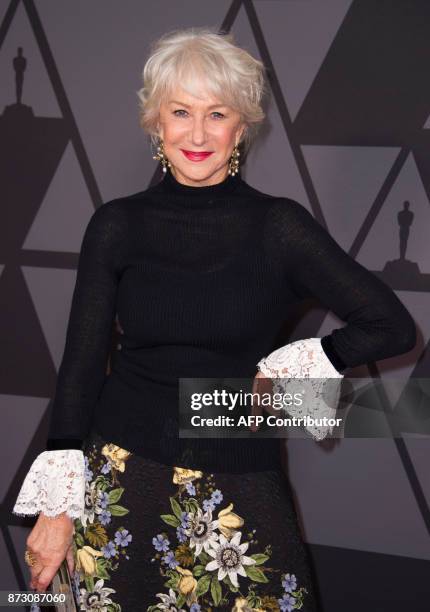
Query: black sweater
pixel 200 279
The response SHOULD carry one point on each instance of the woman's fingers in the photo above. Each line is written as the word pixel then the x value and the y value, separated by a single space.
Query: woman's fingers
pixel 49 541
pixel 35 571
pixel 45 577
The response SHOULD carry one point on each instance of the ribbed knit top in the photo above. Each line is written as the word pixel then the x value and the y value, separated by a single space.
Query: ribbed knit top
pixel 201 280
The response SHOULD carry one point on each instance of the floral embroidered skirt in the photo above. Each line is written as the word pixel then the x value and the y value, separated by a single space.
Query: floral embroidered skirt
pixel 156 537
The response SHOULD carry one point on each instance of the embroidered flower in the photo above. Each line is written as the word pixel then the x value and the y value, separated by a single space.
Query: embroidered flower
pixel 97 599
pixel 109 550
pixel 202 531
pixel 289 583
pixel 105 517
pixel 269 603
pixel 217 496
pixel 88 472
pixel 185 519
pixel 169 559
pixel 229 558
pixel 241 605
pixel 168 602
pixel 161 543
pixel 116 455
pixel 191 489
pixel 92 507
pixel 187 585
pixel 123 537
pixel 229 522
pixel 208 504
pixel 106 468
pixel 180 534
pixel 103 499
pixel 184 555
pixel 286 604
pixel 183 475
pixel 86 560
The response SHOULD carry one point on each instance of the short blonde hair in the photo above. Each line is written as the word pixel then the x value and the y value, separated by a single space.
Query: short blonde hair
pixel 185 57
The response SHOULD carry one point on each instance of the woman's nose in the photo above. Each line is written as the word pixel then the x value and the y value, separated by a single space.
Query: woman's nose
pixel 198 131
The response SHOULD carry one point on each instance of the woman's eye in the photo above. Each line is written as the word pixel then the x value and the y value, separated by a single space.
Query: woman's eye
pixel 181 110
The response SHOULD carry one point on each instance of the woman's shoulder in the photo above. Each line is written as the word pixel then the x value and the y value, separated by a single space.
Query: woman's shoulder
pixel 281 206
pixel 111 219
pixel 120 207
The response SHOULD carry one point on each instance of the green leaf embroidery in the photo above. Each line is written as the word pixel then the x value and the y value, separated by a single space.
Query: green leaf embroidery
pixel 170 520
pixel 174 579
pixel 177 510
pixel 204 557
pixel 101 570
pixel 115 495
pixel 198 570
pixel 102 483
pixel 259 558
pixel 203 585
pixel 79 539
pixel 89 583
pixel 216 591
pixel 117 510
pixel 180 600
pixel 255 574
pixel 192 505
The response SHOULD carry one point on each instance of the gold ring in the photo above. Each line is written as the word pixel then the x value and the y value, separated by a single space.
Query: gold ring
pixel 29 558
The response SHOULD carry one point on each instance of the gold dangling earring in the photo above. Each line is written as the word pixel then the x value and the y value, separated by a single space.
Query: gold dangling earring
pixel 161 156
pixel 233 166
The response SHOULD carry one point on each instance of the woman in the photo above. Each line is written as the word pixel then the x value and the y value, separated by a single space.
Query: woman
pixel 199 270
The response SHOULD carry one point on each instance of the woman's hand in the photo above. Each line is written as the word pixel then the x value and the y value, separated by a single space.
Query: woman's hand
pixel 50 541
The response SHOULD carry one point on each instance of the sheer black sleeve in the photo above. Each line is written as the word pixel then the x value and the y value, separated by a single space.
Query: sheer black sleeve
pixel 378 326
pixel 83 367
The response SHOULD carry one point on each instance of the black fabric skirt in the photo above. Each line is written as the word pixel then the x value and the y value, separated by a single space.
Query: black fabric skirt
pixel 159 537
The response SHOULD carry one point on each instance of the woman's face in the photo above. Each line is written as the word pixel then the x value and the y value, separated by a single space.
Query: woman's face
pixel 193 125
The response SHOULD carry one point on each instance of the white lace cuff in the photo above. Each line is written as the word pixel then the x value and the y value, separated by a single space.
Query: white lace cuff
pixel 54 484
pixel 306 359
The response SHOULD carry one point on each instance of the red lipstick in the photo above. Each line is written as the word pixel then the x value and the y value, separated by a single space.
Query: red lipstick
pixel 196 155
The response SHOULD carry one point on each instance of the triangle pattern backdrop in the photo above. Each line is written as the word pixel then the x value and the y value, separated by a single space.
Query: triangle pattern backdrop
pixel 328 143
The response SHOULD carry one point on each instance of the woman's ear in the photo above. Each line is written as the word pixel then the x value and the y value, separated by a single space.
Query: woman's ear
pixel 242 132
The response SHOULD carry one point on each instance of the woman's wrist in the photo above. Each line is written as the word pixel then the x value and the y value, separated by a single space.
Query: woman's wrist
pixel 54 484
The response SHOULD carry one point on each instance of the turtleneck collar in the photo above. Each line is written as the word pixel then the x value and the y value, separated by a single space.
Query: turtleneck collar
pixel 171 185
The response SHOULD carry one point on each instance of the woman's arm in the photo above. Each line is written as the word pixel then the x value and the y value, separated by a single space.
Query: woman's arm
pixel 55 481
pixel 83 367
pixel 378 326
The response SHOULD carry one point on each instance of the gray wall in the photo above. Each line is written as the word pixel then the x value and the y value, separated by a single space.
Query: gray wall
pixel 347 135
